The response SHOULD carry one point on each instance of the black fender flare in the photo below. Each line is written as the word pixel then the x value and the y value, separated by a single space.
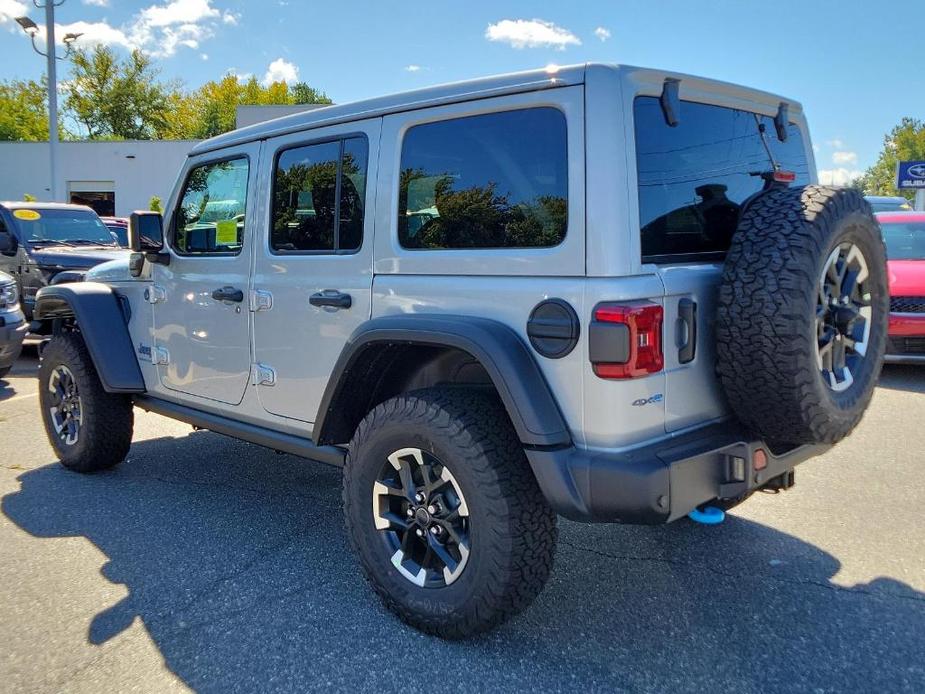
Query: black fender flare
pixel 501 352
pixel 99 314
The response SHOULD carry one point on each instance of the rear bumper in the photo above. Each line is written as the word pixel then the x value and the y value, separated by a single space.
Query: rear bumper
pixel 658 483
pixel 13 328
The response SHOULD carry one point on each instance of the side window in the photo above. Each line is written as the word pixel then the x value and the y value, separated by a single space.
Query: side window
pixel 498 180
pixel 319 194
pixel 210 216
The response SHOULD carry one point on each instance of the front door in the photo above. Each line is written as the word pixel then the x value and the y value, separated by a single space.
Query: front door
pixel 202 339
pixel 313 264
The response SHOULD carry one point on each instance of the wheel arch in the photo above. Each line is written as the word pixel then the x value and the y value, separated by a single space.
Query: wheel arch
pixel 100 315
pixel 393 354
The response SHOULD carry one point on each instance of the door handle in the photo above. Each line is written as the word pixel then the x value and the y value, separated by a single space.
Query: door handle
pixel 228 294
pixel 331 298
pixel 687 315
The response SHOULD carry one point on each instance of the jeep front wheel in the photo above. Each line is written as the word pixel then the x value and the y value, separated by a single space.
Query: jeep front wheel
pixel 88 428
pixel 443 510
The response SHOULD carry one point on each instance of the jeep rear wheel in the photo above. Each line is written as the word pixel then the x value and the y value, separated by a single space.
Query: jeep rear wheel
pixel 88 428
pixel 444 513
pixel 803 311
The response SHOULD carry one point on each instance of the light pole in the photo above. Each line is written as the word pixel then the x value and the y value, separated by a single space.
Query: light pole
pixel 31 28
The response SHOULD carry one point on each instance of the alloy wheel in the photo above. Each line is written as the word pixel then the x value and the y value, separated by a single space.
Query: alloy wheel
pixel 422 516
pixel 843 316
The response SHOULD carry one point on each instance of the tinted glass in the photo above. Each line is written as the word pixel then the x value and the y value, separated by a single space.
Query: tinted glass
pixel 352 194
pixel 693 177
pixel 904 240
pixel 308 213
pixel 494 181
pixel 210 216
pixel 46 227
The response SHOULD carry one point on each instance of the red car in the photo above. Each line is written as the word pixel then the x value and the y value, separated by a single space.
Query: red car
pixel 904 235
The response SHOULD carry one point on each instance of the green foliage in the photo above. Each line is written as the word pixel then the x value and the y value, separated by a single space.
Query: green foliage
pixel 29 197
pixel 904 142
pixel 112 98
pixel 213 105
pixel 23 112
pixel 154 204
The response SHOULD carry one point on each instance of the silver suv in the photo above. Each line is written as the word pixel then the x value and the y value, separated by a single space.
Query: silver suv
pixel 610 293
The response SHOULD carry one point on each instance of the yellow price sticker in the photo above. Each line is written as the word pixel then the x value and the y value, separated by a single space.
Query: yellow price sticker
pixel 27 215
pixel 226 233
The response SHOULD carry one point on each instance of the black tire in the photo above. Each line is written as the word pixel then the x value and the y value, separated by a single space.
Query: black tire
pixel 512 530
pixel 768 340
pixel 104 430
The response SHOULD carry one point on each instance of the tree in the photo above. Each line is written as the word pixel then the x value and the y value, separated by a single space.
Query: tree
pixel 109 98
pixel 154 204
pixel 23 112
pixel 215 102
pixel 904 142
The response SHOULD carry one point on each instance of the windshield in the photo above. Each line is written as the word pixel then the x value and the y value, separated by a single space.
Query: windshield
pixel 904 240
pixel 64 227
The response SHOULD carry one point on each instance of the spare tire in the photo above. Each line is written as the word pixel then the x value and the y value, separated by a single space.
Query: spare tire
pixel 802 314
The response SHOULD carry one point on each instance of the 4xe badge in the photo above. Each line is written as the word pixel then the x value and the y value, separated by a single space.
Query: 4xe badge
pixel 144 352
pixel 658 397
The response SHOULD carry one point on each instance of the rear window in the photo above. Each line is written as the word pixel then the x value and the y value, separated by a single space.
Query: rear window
pixel 694 177
pixel 498 180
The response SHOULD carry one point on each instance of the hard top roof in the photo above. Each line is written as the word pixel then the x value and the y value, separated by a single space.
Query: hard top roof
pixel 484 87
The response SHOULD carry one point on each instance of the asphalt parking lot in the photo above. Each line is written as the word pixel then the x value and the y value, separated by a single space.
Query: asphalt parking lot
pixel 211 564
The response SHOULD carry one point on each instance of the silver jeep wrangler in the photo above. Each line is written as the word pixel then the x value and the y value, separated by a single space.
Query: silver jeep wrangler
pixel 610 293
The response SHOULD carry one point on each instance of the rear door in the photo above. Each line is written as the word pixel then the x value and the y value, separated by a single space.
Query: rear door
pixel 313 264
pixel 692 179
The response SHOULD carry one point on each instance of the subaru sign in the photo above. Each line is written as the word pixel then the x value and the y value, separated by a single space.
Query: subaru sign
pixel 910 175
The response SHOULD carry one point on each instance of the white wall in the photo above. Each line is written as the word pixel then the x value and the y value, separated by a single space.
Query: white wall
pixel 152 171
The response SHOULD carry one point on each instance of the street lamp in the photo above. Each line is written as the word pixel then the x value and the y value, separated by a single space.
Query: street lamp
pixel 31 28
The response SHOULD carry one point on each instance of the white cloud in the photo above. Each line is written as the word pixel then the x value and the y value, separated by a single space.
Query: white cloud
pixel 11 9
pixel 602 33
pixel 836 143
pixel 160 29
pixel 204 56
pixel 838 176
pixel 531 33
pixel 843 158
pixel 413 68
pixel 281 70
pixel 97 3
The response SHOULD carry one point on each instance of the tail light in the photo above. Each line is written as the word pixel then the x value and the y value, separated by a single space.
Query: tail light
pixel 626 340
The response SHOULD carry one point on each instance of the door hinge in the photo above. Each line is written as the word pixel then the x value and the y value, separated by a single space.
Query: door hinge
pixel 160 355
pixel 155 294
pixel 263 375
pixel 260 300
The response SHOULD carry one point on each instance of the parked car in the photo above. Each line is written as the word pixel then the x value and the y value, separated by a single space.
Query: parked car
pixel 601 309
pixel 904 236
pixel 44 243
pixel 119 227
pixel 888 203
pixel 12 324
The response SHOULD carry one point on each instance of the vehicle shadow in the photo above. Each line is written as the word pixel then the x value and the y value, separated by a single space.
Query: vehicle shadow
pixel 908 377
pixel 237 563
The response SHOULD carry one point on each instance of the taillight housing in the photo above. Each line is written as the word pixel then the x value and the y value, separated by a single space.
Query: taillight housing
pixel 626 339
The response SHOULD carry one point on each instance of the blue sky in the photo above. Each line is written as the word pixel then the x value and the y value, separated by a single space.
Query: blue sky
pixel 851 63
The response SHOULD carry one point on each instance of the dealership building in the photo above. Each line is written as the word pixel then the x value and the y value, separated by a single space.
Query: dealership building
pixel 113 177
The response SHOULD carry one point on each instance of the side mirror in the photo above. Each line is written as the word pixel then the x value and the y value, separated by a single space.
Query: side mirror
pixel 146 232
pixel 8 244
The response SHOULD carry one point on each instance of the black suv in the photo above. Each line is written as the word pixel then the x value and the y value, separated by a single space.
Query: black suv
pixel 48 243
